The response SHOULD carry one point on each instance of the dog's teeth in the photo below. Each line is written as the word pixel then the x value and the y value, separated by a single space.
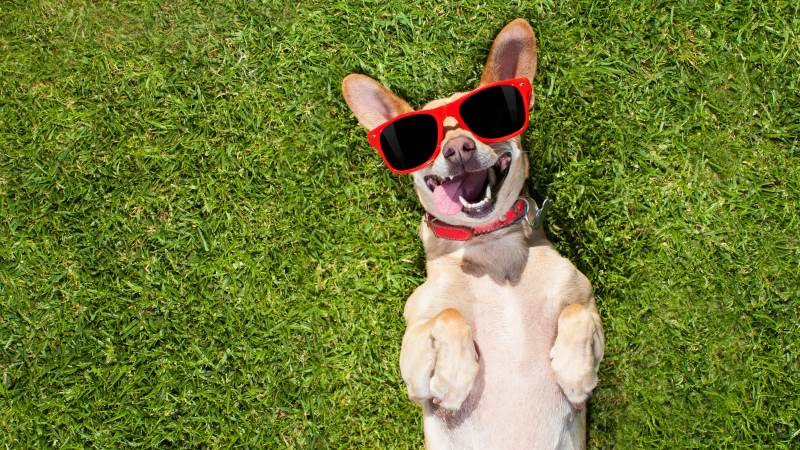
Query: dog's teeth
pixel 488 192
pixel 492 177
pixel 463 202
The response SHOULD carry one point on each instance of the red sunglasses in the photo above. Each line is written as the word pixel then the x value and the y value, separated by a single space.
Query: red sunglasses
pixel 492 113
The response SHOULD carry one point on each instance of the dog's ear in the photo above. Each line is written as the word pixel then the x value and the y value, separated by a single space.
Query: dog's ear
pixel 372 103
pixel 513 54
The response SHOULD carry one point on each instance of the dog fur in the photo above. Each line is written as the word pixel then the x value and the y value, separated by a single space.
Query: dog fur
pixel 503 340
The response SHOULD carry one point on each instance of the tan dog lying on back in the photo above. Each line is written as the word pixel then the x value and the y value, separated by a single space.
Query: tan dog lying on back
pixel 503 340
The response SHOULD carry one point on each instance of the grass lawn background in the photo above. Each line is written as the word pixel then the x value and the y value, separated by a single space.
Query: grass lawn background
pixel 198 248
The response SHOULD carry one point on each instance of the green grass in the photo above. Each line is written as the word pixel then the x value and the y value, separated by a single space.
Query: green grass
pixel 199 249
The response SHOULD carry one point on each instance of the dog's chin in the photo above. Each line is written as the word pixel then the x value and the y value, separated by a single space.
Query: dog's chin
pixel 470 197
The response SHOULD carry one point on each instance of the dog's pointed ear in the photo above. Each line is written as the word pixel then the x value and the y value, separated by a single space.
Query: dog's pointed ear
pixel 513 54
pixel 372 103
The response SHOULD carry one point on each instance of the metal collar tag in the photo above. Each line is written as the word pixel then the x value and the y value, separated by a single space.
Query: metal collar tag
pixel 541 212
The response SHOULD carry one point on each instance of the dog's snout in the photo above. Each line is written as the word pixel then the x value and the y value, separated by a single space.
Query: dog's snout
pixel 459 150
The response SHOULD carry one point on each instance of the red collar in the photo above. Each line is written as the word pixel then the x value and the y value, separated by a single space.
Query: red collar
pixel 458 233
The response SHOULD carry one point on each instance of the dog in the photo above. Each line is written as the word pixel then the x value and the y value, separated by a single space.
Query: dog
pixel 503 340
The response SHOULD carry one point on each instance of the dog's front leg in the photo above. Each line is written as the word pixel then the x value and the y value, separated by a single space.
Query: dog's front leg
pixel 576 354
pixel 438 359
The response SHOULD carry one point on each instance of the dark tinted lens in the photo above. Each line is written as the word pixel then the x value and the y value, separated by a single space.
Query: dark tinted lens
pixel 495 112
pixel 409 142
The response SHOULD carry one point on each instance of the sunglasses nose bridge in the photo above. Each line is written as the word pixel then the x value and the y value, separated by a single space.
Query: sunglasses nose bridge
pixel 449 114
pixel 450 122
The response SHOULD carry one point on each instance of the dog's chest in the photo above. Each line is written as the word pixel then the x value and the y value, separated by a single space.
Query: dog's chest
pixel 515 401
pixel 515 394
pixel 512 324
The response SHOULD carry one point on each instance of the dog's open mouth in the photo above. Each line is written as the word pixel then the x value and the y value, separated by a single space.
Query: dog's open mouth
pixel 471 192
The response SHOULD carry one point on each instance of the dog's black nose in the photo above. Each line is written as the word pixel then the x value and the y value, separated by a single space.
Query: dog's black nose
pixel 459 150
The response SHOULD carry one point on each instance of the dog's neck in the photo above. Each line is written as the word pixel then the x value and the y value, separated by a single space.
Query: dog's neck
pixel 501 254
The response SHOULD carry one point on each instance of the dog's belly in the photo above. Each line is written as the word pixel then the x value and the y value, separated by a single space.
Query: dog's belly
pixel 515 401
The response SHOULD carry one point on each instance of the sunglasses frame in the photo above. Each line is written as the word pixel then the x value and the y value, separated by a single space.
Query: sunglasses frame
pixel 451 109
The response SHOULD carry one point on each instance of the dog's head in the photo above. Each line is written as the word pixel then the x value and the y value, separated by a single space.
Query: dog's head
pixel 470 182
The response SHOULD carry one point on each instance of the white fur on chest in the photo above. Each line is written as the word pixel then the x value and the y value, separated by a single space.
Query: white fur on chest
pixel 518 322
pixel 498 321
pixel 514 331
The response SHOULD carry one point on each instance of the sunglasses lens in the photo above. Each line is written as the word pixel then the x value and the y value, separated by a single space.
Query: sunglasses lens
pixel 410 142
pixel 495 112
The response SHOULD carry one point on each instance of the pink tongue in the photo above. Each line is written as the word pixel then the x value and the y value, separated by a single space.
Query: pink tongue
pixel 467 185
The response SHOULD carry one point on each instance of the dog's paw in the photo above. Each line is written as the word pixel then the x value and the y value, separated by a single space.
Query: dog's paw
pixel 438 360
pixel 453 379
pixel 576 378
pixel 576 354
